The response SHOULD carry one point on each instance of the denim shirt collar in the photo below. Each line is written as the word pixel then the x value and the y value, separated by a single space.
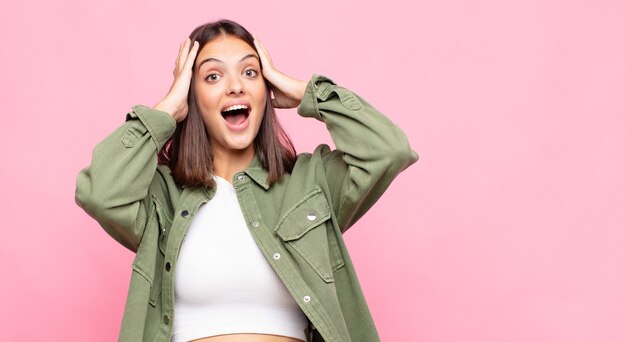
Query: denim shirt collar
pixel 256 171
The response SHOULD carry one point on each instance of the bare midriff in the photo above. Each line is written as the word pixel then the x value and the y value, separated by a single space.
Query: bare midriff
pixel 248 338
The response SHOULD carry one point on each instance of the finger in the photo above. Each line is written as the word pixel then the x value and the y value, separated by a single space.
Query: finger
pixel 263 54
pixel 266 55
pixel 182 56
pixel 176 62
pixel 258 42
pixel 180 48
pixel 191 58
pixel 185 49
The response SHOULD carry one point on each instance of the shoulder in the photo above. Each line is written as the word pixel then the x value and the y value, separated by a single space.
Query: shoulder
pixel 322 162
pixel 163 177
pixel 321 154
pixel 164 188
pixel 313 169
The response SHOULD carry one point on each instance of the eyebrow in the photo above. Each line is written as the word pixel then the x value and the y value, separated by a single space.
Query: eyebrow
pixel 213 59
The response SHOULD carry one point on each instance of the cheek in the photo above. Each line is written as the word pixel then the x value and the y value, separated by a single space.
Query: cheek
pixel 257 88
pixel 207 98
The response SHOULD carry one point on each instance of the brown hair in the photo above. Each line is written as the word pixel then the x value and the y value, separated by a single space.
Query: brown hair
pixel 188 152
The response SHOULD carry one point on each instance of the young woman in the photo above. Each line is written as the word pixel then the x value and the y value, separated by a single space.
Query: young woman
pixel 237 238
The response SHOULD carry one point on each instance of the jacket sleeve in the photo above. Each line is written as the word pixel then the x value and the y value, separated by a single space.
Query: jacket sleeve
pixel 114 188
pixel 371 150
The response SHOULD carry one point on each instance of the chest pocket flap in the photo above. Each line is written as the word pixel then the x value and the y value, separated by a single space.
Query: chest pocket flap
pixel 303 227
pixel 307 214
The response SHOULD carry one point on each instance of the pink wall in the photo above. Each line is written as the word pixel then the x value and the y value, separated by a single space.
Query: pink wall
pixel 511 227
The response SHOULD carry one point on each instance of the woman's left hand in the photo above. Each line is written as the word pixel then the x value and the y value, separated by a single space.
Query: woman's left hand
pixel 288 91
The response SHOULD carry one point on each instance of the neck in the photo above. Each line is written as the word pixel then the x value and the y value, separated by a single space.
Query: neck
pixel 227 163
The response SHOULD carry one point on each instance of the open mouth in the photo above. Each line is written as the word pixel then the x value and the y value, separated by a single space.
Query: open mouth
pixel 236 115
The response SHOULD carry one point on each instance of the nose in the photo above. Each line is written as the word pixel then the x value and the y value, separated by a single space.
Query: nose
pixel 235 86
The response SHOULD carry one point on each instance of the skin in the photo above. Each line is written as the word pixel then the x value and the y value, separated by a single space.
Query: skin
pixel 228 71
pixel 233 150
pixel 230 80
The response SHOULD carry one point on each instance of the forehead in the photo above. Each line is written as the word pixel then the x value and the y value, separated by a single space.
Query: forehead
pixel 227 49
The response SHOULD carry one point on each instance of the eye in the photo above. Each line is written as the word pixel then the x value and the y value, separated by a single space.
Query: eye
pixel 250 73
pixel 212 77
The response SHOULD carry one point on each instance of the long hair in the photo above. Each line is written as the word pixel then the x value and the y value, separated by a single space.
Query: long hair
pixel 188 152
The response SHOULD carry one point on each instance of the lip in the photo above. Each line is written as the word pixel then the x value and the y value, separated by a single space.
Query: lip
pixel 243 125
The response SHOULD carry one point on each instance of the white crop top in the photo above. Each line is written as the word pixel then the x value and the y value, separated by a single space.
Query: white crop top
pixel 223 283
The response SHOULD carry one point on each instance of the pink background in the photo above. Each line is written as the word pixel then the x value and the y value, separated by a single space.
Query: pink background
pixel 511 227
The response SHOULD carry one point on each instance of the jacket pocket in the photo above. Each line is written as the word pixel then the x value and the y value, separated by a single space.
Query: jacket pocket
pixel 155 290
pixel 304 228
pixel 142 268
pixel 149 260
pixel 165 223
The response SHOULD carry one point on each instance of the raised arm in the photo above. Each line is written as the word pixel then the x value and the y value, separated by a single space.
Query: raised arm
pixel 113 189
pixel 371 150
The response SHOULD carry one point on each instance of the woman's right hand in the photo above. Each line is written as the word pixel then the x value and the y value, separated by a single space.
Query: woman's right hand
pixel 175 102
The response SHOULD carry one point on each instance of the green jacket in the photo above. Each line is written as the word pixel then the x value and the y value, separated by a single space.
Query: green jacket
pixel 302 217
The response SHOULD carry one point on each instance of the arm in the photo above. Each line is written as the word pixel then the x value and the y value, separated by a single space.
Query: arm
pixel 371 150
pixel 114 188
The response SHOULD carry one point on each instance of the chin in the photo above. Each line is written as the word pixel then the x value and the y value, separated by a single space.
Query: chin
pixel 240 145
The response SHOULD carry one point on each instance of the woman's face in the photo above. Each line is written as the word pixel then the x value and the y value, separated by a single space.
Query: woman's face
pixel 230 93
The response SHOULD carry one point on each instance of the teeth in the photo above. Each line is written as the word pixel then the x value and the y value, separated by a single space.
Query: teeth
pixel 235 107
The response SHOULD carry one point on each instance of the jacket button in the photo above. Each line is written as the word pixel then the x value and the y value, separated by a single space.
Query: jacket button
pixel 166 319
pixel 255 224
pixel 311 217
pixel 241 178
pixel 168 266
pixel 185 213
pixel 276 256
pixel 306 299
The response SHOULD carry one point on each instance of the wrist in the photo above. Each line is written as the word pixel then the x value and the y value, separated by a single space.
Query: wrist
pixel 301 89
pixel 167 108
